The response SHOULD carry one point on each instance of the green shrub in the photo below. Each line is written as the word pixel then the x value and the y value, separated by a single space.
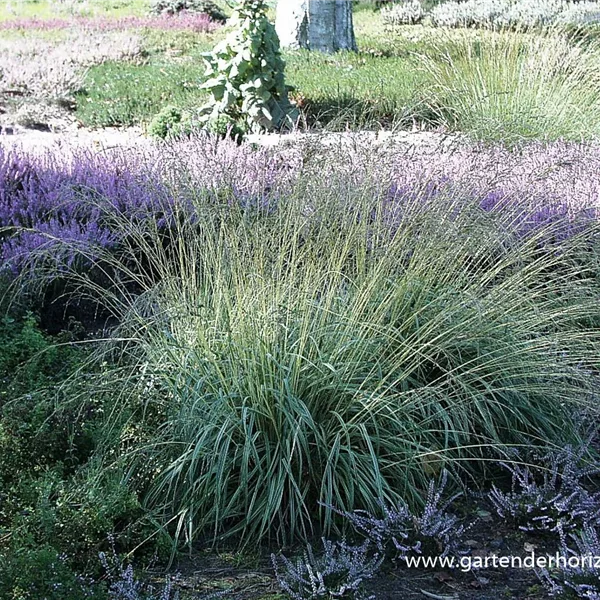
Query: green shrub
pixel 51 494
pixel 34 436
pixel 283 358
pixel 224 127
pixel 172 7
pixel 23 341
pixel 29 358
pixel 52 500
pixel 42 572
pixel 75 515
pixel 169 122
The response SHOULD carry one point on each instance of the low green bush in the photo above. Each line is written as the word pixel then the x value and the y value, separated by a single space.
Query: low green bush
pixel 171 7
pixel 29 358
pixel 73 514
pixel 56 510
pixel 42 572
pixel 169 122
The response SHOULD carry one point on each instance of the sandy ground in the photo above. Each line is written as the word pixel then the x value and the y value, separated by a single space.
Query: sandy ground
pixel 30 140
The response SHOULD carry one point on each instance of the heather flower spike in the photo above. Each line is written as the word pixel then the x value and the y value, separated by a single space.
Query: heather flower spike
pixel 339 572
pixel 552 495
pixel 402 533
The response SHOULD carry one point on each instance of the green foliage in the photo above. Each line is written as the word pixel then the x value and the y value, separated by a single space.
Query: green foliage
pixel 350 90
pixel 73 514
pixel 169 122
pixel 345 90
pixel 35 437
pixel 172 7
pixel 116 94
pixel 41 572
pixel 22 341
pixel 246 73
pixel 50 494
pixel 224 127
pixel 55 503
pixel 52 501
pixel 29 358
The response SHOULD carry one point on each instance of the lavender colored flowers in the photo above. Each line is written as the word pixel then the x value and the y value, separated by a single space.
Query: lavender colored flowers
pixel 124 585
pixel 402 533
pixel 50 202
pixel 60 209
pixel 552 497
pixel 338 573
pixel 577 574
pixel 60 206
pixel 198 23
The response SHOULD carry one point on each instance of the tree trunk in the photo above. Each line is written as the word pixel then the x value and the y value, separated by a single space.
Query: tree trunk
pixel 324 25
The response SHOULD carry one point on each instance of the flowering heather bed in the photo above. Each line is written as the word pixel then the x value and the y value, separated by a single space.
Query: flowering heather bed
pixel 64 196
pixel 46 69
pixel 61 196
pixel 495 13
pixel 198 23
pixel 557 499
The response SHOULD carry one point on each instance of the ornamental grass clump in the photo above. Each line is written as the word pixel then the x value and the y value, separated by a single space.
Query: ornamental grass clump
pixel 297 351
pixel 246 74
pixel 510 87
pixel 293 341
